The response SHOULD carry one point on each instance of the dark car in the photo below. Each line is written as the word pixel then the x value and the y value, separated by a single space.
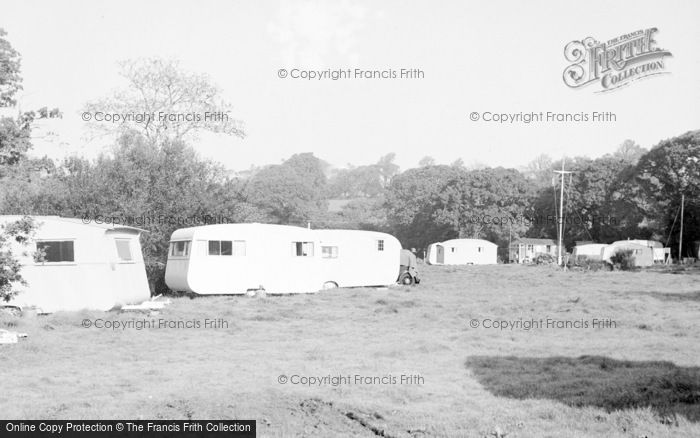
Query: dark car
pixel 408 272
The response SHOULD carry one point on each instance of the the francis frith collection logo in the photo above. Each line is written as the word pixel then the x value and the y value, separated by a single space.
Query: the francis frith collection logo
pixel 616 62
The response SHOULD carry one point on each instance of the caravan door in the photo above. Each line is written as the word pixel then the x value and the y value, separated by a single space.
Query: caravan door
pixel 440 255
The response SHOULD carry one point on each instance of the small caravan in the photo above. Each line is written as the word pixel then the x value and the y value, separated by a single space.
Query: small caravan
pixel 237 258
pixel 588 251
pixel 71 265
pixel 463 252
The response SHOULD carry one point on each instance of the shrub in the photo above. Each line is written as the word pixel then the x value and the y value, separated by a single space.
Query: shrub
pixel 544 259
pixel 588 263
pixel 623 259
pixel 19 231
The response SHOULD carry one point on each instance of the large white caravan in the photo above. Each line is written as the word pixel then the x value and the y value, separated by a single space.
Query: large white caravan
pixel 237 258
pixel 463 252
pixel 71 265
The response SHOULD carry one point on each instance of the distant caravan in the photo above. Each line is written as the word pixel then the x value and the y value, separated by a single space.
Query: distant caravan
pixel 238 258
pixel 462 252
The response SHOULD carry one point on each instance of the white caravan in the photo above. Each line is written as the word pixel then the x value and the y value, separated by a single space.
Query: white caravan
pixel 589 251
pixel 661 254
pixel 463 252
pixel 237 258
pixel 84 266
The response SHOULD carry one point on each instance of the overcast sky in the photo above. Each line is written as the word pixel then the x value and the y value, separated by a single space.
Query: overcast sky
pixel 503 57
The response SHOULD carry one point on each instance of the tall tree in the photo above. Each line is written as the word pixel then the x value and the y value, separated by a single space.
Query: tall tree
pixel 415 198
pixel 15 140
pixel 490 203
pixel 10 78
pixel 434 203
pixel 292 192
pixel 387 168
pixel 367 181
pixel 426 161
pixel 178 103
pixel 356 182
pixel 14 134
pixel 458 163
pixel 668 171
pixel 595 206
pixel 539 171
pixel 630 152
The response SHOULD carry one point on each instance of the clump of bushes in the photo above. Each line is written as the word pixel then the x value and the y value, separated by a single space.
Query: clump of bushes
pixel 544 259
pixel 590 264
pixel 623 259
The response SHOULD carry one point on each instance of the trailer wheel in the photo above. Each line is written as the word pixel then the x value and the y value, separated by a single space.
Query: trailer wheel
pixel 330 285
pixel 406 279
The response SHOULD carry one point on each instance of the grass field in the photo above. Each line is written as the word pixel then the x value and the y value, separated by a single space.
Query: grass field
pixel 636 373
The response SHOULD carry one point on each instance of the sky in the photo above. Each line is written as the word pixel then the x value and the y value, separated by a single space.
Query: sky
pixel 499 57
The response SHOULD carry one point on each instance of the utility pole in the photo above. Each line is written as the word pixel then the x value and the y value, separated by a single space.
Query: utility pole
pixel 510 244
pixel 562 172
pixel 680 239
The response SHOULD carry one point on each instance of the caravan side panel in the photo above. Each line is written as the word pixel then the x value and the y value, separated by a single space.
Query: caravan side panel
pixel 354 258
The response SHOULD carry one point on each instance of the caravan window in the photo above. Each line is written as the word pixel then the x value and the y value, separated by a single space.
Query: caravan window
pixel 227 247
pixel 180 249
pixel 481 248
pixel 57 251
pixel 380 245
pixel 124 250
pixel 452 249
pixel 220 247
pixel 303 249
pixel 214 247
pixel 329 252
